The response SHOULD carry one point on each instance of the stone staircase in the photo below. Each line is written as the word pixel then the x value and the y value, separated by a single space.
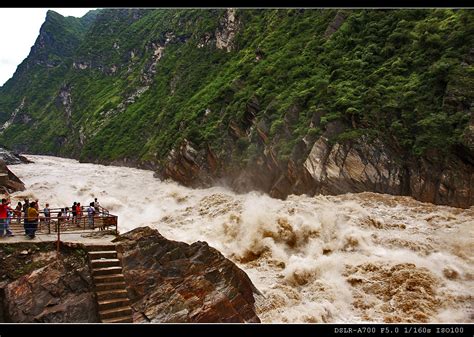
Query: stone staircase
pixel 110 287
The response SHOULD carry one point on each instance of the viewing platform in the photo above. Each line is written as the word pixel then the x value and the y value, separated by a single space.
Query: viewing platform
pixel 60 226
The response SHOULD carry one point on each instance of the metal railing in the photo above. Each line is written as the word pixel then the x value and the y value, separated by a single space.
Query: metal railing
pixel 59 221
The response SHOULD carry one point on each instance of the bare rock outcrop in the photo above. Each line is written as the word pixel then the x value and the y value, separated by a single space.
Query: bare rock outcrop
pixel 167 281
pixel 328 167
pixel 11 158
pixel 170 281
pixel 189 166
pixel 37 287
pixel 355 167
pixel 364 165
pixel 9 182
pixel 227 30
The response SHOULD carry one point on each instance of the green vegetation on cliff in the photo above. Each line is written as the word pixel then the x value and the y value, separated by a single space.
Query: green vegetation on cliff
pixel 133 84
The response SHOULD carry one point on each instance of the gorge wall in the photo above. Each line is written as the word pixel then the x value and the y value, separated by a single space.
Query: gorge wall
pixel 283 101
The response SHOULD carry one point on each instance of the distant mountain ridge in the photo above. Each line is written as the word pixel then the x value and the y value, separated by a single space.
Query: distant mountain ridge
pixel 283 100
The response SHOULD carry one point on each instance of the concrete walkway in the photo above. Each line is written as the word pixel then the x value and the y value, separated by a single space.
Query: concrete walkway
pixel 90 238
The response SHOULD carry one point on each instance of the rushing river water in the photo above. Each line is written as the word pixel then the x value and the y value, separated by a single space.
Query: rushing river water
pixel 362 257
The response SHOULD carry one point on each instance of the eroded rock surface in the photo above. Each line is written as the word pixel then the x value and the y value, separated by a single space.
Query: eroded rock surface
pixel 172 281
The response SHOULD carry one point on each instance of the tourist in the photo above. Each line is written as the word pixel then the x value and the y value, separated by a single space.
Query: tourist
pixel 4 209
pixel 47 216
pixel 8 232
pixel 32 220
pixel 26 205
pixel 18 212
pixel 66 214
pixel 79 214
pixel 96 206
pixel 74 212
pixel 90 214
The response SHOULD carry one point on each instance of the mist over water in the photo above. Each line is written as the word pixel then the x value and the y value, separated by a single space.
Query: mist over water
pixel 362 257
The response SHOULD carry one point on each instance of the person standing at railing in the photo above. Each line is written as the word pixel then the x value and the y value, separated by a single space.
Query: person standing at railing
pixel 47 216
pixel 33 216
pixel 96 206
pixel 62 214
pixel 79 214
pixel 8 232
pixel 18 212
pixel 74 212
pixel 4 209
pixel 90 214
pixel 26 205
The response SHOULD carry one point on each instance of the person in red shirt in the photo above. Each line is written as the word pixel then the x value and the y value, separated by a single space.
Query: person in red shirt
pixel 79 214
pixel 4 209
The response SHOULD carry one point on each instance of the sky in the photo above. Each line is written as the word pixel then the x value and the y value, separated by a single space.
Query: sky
pixel 19 28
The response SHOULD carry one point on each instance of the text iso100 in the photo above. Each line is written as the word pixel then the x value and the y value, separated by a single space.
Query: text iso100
pixel 450 329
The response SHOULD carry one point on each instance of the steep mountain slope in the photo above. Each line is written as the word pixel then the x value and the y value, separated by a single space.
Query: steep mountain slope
pixel 285 101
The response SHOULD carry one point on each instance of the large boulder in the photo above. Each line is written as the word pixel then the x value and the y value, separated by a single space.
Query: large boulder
pixel 170 281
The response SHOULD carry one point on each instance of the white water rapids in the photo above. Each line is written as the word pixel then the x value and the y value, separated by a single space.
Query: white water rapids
pixel 362 257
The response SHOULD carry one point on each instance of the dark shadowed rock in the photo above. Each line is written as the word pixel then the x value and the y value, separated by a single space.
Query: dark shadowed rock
pixel 9 182
pixel 172 281
pixel 11 158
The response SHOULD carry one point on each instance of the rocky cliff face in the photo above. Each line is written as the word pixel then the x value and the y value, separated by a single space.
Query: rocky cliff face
pixel 368 165
pixel 172 282
pixel 168 281
pixel 333 168
pixel 37 287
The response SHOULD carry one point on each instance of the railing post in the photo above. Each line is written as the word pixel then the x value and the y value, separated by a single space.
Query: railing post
pixel 59 238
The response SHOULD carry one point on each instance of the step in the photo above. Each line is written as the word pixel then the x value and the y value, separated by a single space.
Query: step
pixel 113 303
pixel 116 312
pixel 103 254
pixel 106 271
pixel 111 294
pixel 110 286
pixel 105 263
pixel 97 248
pixel 101 279
pixel 122 319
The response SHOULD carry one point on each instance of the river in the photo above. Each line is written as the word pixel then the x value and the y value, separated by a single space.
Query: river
pixel 357 257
